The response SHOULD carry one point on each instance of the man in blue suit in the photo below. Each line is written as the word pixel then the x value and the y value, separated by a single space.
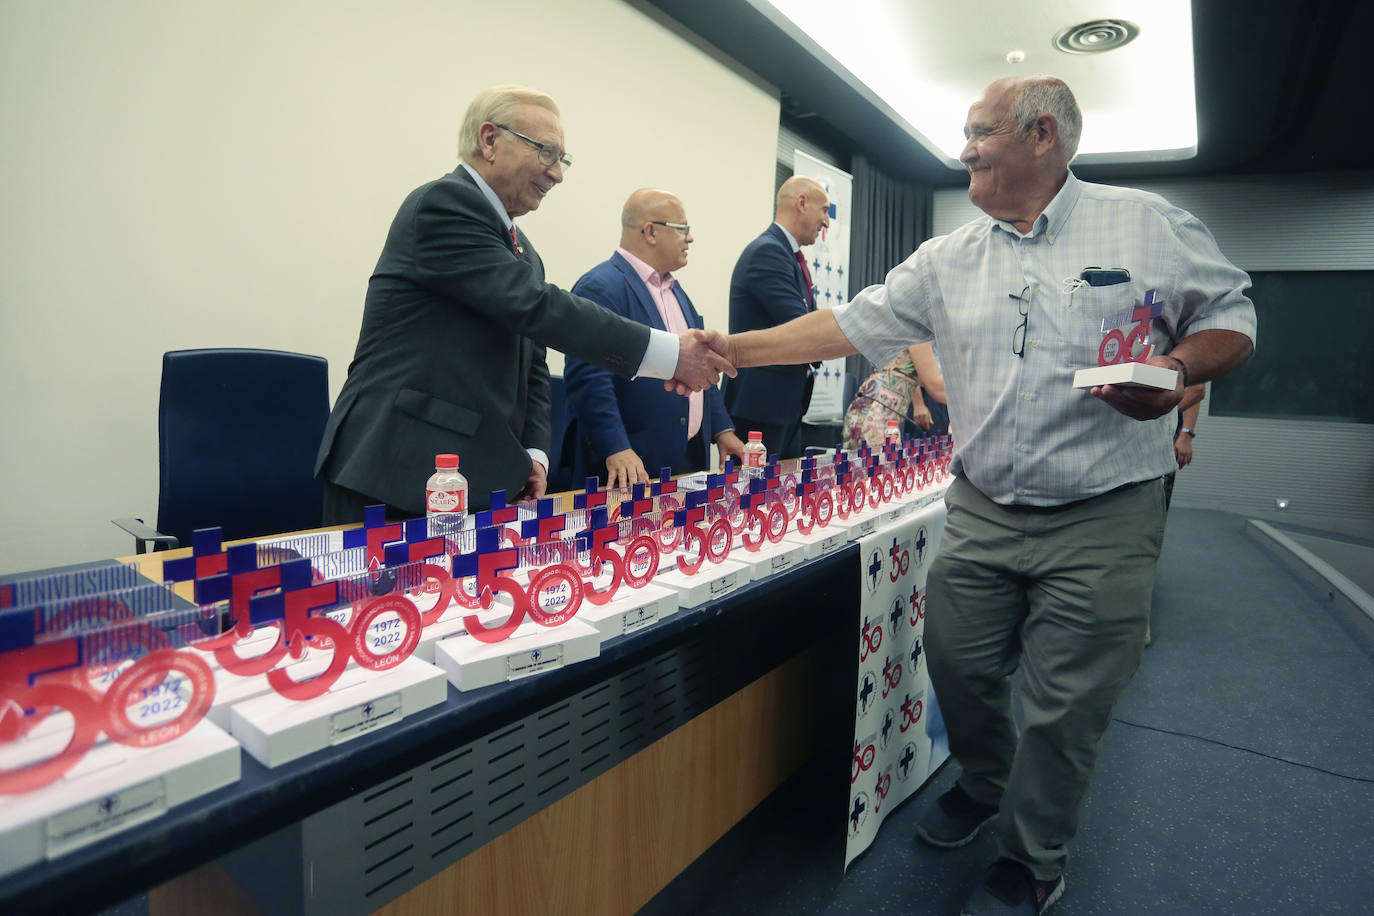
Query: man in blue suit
pixel 633 428
pixel 772 285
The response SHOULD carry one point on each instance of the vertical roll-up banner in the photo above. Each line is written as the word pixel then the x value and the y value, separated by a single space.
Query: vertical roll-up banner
pixel 828 259
pixel 896 747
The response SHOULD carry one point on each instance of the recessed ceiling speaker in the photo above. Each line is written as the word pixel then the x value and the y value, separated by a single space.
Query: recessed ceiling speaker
pixel 1096 37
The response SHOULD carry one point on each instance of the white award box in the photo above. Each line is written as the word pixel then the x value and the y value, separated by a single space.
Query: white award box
pixel 892 511
pixel 112 788
pixel 821 541
pixel 860 524
pixel 452 623
pixel 631 610
pixel 276 730
pixel 711 582
pixel 232 689
pixel 1130 375
pixel 531 649
pixel 770 558
pixel 449 625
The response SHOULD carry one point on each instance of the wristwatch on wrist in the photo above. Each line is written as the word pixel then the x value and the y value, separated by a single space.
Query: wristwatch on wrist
pixel 1188 431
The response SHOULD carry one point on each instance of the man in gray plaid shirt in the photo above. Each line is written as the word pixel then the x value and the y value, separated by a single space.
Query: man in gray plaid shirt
pixel 1056 514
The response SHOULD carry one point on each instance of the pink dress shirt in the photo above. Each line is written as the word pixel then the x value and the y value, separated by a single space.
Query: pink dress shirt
pixel 660 288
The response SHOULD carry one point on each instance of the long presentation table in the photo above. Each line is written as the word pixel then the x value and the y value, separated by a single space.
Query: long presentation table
pixel 586 789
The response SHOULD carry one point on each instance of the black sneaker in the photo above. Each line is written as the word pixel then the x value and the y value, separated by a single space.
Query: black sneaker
pixel 1009 889
pixel 954 820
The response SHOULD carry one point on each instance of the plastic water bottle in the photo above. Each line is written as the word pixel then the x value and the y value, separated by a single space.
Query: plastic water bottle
pixel 446 493
pixel 893 436
pixel 755 455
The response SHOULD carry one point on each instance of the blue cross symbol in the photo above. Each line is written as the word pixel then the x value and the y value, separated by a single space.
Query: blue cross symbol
pixel 840 270
pixel 875 567
pixel 816 263
pixel 535 655
pixel 108 805
pixel 857 811
pixel 921 545
pixel 916 653
pixel 887 724
pixel 827 267
pixel 367 710
pixel 908 755
pixel 868 689
pixel 897 614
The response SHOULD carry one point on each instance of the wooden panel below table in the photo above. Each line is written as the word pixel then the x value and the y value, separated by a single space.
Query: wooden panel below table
pixel 610 846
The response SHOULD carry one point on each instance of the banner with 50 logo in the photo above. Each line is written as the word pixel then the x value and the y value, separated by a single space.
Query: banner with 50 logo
pixel 893 751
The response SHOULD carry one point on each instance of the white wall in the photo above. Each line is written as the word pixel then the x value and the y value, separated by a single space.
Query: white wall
pixel 1323 470
pixel 202 173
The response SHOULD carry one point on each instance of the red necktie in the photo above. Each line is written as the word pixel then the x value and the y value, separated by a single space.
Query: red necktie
pixel 806 276
pixel 810 290
pixel 514 242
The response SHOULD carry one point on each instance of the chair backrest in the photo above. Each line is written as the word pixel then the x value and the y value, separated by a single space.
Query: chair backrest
pixel 561 423
pixel 237 436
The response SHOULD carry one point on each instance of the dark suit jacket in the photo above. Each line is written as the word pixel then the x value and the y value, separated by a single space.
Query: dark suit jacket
pixel 450 357
pixel 767 289
pixel 614 414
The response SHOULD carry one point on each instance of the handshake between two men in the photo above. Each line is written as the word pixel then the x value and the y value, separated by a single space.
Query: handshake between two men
pixel 704 355
pixel 701 359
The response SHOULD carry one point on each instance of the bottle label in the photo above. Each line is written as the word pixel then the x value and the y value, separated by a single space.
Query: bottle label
pixel 754 459
pixel 441 501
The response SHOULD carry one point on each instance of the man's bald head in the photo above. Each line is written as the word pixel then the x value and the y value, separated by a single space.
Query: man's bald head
pixel 653 228
pixel 803 208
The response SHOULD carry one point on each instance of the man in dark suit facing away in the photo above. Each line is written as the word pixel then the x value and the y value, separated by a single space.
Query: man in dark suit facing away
pixel 450 357
pixel 771 285
pixel 633 429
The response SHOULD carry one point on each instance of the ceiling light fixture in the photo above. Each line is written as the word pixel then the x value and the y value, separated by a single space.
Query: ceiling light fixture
pixel 1096 37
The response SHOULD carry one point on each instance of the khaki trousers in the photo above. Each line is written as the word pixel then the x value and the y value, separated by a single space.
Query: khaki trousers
pixel 1065 593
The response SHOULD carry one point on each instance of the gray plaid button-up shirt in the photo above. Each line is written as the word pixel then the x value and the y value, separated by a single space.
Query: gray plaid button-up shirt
pixel 1024 434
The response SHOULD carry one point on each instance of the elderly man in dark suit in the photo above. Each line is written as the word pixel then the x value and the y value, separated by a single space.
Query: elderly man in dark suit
pixel 633 429
pixel 771 285
pixel 450 357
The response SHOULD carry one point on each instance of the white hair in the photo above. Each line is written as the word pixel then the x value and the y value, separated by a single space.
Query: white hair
pixel 1037 95
pixel 496 105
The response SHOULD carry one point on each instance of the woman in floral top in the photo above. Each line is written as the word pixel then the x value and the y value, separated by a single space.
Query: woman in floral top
pixel 894 393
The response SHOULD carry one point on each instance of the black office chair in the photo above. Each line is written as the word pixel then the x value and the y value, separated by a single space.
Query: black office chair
pixel 237 436
pixel 562 430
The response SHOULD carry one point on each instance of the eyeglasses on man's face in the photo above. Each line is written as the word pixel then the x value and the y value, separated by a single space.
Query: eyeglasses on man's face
pixel 684 228
pixel 548 153
pixel 1018 337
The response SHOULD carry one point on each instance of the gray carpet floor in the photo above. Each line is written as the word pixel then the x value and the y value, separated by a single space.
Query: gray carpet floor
pixel 1237 777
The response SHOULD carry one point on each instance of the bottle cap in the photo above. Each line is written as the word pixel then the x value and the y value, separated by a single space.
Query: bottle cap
pixel 891 422
pixel 755 435
pixel 445 461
